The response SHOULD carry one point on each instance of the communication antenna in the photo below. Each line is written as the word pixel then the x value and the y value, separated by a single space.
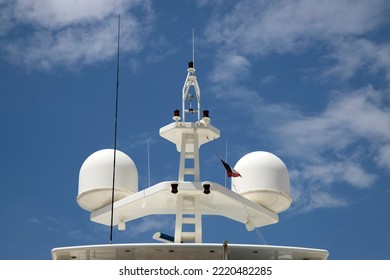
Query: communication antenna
pixel 193 45
pixel 115 132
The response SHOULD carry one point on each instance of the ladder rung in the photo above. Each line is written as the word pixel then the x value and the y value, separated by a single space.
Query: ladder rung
pixel 188 236
pixel 189 171
pixel 188 220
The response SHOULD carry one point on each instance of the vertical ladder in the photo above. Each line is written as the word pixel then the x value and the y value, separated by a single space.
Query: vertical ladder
pixel 188 215
pixel 189 154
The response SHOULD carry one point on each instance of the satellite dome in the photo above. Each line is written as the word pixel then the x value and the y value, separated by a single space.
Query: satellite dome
pixel 264 180
pixel 96 179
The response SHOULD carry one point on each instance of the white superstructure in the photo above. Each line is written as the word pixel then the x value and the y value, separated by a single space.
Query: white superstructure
pixel 260 190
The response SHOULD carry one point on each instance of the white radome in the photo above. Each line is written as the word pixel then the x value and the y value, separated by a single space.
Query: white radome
pixel 264 180
pixel 96 179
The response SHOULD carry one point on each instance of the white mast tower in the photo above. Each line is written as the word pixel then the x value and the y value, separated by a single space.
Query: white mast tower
pixel 188 137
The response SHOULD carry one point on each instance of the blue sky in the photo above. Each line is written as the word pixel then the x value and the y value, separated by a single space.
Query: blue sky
pixel 305 80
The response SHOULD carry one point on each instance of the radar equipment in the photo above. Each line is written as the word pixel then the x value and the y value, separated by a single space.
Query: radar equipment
pixel 188 197
pixel 256 198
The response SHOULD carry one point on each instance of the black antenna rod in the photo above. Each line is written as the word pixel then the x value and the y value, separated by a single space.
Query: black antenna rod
pixel 115 132
pixel 193 46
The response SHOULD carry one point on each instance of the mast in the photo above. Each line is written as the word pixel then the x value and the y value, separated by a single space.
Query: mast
pixel 187 97
pixel 189 136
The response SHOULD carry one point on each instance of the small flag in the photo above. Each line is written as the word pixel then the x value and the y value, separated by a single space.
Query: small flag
pixel 231 172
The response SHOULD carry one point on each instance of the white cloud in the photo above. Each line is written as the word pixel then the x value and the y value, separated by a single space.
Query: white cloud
pixel 230 68
pixel 310 196
pixel 60 13
pixel 383 157
pixel 261 27
pixel 5 17
pixel 344 145
pixel 322 199
pixel 268 80
pixel 46 34
pixel 331 172
pixel 352 127
pixel 315 185
pixel 350 117
pixel 352 55
pixel 338 146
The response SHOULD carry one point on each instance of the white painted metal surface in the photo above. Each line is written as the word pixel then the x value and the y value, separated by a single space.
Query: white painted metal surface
pixel 257 196
pixel 95 179
pixel 158 199
pixel 264 180
pixel 187 251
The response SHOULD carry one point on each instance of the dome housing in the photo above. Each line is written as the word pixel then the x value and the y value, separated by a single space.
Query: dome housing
pixel 96 178
pixel 264 180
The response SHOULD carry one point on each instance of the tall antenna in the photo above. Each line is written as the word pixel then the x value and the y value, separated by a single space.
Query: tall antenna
pixel 193 46
pixel 115 132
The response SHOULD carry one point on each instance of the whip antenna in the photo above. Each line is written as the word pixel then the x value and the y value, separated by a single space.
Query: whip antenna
pixel 193 46
pixel 115 132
